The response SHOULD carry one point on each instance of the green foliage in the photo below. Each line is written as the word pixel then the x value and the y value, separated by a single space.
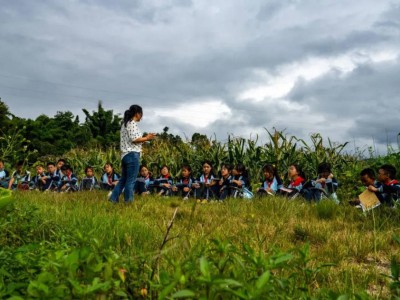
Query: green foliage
pixel 104 126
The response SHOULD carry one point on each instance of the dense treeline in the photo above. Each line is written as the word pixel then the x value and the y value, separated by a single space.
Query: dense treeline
pixel 56 135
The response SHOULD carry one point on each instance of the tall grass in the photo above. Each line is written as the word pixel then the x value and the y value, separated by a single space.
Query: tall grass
pixel 326 250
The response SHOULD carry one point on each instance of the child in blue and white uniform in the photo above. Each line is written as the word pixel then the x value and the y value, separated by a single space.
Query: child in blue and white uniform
pixel 183 186
pixel 20 178
pixel 143 182
pixel 164 182
pixel 224 184
pixel 89 182
pixel 272 181
pixel 109 179
pixel 69 181
pixel 206 186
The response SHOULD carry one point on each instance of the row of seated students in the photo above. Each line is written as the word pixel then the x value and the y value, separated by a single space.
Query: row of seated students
pixel 233 181
pixel 58 177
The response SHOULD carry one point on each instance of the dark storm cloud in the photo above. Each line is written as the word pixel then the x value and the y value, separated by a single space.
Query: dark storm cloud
pixel 68 55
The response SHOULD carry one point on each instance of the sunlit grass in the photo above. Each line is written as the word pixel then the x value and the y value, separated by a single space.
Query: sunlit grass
pixel 358 246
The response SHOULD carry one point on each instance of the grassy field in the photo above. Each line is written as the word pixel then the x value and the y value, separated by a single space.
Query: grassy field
pixel 78 245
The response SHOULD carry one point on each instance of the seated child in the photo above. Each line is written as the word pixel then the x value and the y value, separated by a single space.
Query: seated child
pixel 39 180
pixel 109 179
pixel 184 185
pixel 164 182
pixel 325 185
pixel 142 185
pixel 367 177
pixel 60 163
pixel 296 182
pixel 69 181
pixel 53 178
pixel 4 176
pixel 89 182
pixel 205 187
pixel 272 181
pixel 20 178
pixel 240 181
pixel 390 187
pixel 224 184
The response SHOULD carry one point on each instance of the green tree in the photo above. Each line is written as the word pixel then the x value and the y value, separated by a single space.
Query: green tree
pixel 103 125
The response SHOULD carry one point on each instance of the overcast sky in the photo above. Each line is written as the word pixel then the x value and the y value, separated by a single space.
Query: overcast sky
pixel 213 67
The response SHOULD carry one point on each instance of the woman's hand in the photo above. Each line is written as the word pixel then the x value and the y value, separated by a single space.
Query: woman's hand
pixel 151 136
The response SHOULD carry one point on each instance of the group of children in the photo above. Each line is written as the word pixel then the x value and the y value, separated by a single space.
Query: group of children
pixel 59 177
pixel 231 181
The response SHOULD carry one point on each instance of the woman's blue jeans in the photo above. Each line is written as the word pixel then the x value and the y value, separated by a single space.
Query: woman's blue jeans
pixel 129 172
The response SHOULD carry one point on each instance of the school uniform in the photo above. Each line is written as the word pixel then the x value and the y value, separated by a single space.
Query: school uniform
pixel 181 184
pixel 142 184
pixel 107 181
pixel 206 191
pixel 89 184
pixel 390 192
pixel 70 182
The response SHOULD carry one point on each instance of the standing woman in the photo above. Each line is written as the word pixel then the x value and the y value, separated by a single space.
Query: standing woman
pixel 131 146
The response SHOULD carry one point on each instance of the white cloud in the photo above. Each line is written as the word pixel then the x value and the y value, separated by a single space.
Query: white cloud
pixel 280 83
pixel 196 112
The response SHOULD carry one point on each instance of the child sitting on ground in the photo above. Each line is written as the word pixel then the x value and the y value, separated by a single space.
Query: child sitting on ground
pixel 272 181
pixel 206 187
pixel 89 182
pixel 39 180
pixel 164 182
pixel 69 181
pixel 4 176
pixel 109 179
pixel 390 187
pixel 20 178
pixel 184 185
pixel 296 182
pixel 240 184
pixel 143 182
pixel 367 177
pixel 325 185
pixel 224 183
pixel 53 178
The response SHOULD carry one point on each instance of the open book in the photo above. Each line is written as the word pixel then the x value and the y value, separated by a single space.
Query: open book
pixel 368 200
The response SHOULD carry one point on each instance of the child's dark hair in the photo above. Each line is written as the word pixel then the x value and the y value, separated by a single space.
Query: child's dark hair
pixel 89 168
pixel 131 112
pixel 369 172
pixel 50 163
pixel 187 167
pixel 208 162
pixel 272 170
pixel 389 170
pixel 324 168
pixel 227 166
pixel 108 163
pixel 66 167
pixel 61 160
pixel 299 170
pixel 243 171
pixel 164 166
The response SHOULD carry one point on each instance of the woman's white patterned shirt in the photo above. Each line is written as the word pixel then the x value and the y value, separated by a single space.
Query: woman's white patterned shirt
pixel 128 134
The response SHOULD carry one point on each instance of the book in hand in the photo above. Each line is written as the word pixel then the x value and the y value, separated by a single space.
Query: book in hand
pixel 285 190
pixel 368 200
